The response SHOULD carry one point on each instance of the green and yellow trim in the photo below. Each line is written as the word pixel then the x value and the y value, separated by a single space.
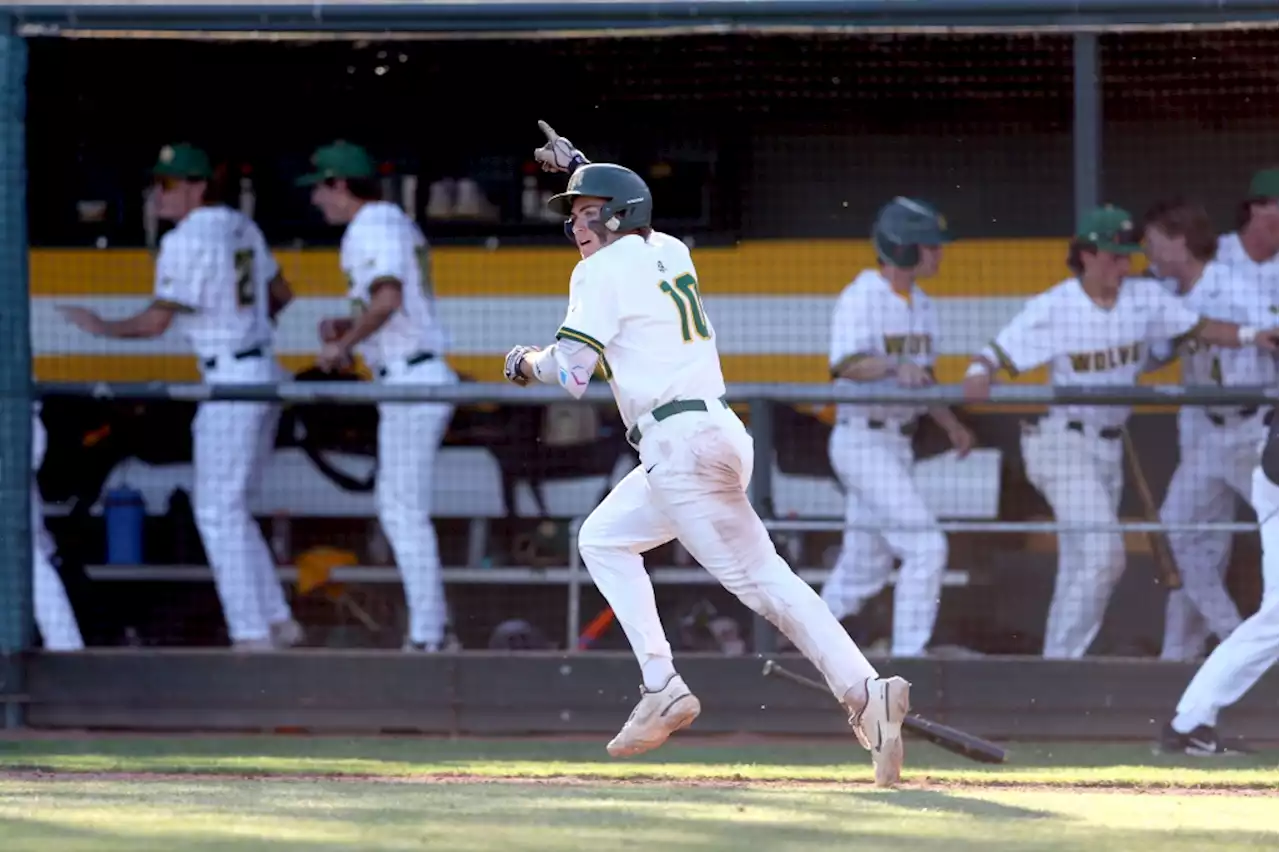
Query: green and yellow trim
pixel 1190 333
pixel 603 368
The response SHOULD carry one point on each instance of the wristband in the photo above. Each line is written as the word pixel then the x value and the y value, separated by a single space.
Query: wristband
pixel 1247 334
pixel 543 365
pixel 977 368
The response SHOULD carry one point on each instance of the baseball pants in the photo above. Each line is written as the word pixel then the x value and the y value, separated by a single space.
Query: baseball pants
pixel 874 467
pixel 1216 464
pixel 409 436
pixel 228 456
pixel 55 619
pixel 1081 475
pixel 1236 664
pixel 691 486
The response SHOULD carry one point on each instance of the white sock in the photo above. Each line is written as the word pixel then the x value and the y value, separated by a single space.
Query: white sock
pixel 656 671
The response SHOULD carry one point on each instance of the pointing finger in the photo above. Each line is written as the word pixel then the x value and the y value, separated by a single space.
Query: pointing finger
pixel 546 129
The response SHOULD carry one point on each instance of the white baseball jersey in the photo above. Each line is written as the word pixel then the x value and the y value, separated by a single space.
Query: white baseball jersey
pixel 1088 345
pixel 871 318
pixel 1231 253
pixel 636 304
pixel 382 242
pixel 214 267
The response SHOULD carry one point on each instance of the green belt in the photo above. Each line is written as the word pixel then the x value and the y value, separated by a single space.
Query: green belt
pixel 670 409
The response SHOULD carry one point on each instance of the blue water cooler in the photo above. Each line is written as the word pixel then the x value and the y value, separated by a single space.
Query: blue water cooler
pixel 124 511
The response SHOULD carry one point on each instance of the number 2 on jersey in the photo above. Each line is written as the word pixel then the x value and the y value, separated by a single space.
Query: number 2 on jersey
pixel 689 303
pixel 245 295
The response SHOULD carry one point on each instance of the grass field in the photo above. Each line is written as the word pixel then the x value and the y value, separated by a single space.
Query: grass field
pixel 318 793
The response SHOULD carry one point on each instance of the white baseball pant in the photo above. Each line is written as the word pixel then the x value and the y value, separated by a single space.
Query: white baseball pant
pixel 1236 664
pixel 1216 461
pixel 1081 475
pixel 228 457
pixel 55 619
pixel 691 486
pixel 874 467
pixel 409 436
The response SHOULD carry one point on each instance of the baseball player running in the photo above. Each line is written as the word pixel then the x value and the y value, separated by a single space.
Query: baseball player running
pixel 1094 330
pixel 218 285
pixel 886 327
pixel 1236 664
pixel 636 316
pixel 55 619
pixel 394 326
pixel 1218 445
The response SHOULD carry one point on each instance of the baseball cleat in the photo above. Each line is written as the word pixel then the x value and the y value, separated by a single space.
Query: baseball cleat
pixel 658 715
pixel 287 634
pixel 882 704
pixel 1203 741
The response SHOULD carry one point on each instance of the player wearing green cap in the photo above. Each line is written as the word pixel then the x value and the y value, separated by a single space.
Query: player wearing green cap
pixel 218 284
pixel 396 328
pixel 1094 329
pixel 1251 249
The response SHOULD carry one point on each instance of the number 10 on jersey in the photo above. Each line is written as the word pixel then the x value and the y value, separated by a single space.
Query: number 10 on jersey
pixel 684 292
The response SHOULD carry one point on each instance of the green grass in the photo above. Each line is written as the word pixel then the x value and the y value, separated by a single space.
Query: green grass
pixel 550 795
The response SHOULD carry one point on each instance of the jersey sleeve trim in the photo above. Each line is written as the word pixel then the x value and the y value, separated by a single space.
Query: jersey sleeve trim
pixel 846 362
pixel 566 333
pixel 1005 361
pixel 173 305
pixel 1189 333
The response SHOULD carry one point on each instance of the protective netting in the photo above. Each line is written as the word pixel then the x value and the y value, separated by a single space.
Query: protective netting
pixel 769 155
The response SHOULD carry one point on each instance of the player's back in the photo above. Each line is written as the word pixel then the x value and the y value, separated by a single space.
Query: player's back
pixel 665 348
pixel 226 267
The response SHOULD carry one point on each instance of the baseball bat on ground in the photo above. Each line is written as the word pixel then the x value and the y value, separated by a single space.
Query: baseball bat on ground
pixel 944 736
pixel 1161 552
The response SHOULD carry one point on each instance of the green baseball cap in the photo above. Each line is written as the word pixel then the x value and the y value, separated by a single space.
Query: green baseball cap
pixel 339 160
pixel 1111 230
pixel 1264 184
pixel 183 161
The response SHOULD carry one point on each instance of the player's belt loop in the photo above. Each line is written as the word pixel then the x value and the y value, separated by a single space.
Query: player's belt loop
pixel 667 409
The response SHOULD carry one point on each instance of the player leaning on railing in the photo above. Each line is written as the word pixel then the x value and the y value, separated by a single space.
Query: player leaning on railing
pixel 1244 656
pixel 1093 329
pixel 395 326
pixel 218 284
pixel 635 315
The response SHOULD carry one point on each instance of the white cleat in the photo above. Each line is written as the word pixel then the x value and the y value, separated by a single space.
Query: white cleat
pixel 287 634
pixel 658 715
pixel 877 708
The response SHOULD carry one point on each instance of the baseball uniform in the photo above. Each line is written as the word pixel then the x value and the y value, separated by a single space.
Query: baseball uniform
pixel 870 451
pixel 1073 455
pixel 1243 657
pixel 381 242
pixel 55 619
pixel 213 269
pixel 1218 447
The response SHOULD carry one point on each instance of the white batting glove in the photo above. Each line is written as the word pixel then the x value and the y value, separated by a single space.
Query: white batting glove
pixel 558 155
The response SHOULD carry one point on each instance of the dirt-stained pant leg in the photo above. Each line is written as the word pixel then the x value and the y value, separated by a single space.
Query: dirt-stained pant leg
pixel 1081 477
pixel 625 525
pixel 699 467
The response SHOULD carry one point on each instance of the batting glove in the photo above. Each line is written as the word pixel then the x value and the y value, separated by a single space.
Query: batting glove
pixel 515 358
pixel 558 155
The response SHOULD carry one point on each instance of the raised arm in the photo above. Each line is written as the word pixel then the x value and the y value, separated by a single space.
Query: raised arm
pixel 558 154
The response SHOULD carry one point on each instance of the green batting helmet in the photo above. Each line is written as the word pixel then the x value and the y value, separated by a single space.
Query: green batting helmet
pixel 902 226
pixel 628 203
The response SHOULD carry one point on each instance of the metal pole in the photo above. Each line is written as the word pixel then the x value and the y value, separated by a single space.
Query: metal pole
pixel 573 628
pixel 15 378
pixel 760 491
pixel 1086 128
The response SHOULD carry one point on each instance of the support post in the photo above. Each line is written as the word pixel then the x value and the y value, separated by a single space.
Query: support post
pixel 760 492
pixel 1086 126
pixel 15 379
